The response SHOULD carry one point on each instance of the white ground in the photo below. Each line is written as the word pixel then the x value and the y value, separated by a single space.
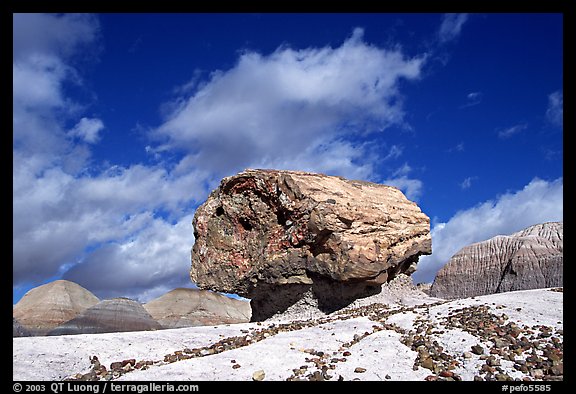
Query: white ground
pixel 380 353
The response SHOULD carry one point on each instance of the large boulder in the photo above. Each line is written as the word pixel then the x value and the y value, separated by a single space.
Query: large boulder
pixel 529 259
pixel 45 307
pixel 114 315
pixel 192 307
pixel 273 236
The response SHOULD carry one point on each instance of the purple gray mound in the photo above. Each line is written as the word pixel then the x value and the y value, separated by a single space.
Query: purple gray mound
pixel 273 236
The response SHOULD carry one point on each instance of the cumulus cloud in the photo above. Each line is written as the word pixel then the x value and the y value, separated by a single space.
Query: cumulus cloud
pixel 555 110
pixel 539 201
pixel 292 109
pixel 57 216
pixel 154 260
pixel 42 47
pixel 87 129
pixel 60 210
pixel 451 26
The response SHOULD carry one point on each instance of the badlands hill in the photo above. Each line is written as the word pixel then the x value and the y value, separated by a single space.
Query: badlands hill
pixel 184 307
pixel 45 307
pixel 64 308
pixel 114 315
pixel 529 259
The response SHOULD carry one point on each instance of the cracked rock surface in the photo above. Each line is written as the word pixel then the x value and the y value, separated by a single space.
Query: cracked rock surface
pixel 288 233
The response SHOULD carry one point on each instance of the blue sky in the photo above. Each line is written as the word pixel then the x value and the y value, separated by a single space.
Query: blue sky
pixel 123 123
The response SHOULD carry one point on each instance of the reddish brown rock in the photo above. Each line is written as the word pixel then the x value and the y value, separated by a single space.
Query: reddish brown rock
pixel 529 259
pixel 274 235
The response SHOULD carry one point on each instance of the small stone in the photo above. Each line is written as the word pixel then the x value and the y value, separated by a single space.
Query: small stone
pixel 557 370
pixel 130 361
pixel 346 354
pixel 90 376
pixel 467 355
pixel 537 373
pixel 446 374
pixel 359 370
pixel 427 363
pixel 502 377
pixel 258 375
pixel 477 349
pixel 388 377
pixel 499 343
pixel 116 366
pixel 235 366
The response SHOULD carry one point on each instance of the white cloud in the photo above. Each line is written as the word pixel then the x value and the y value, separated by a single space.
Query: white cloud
pixel 87 129
pixel 539 201
pixel 154 260
pixel 555 110
pixel 513 130
pixel 411 187
pixel 57 216
pixel 292 109
pixel 60 210
pixel 451 26
pixel 42 44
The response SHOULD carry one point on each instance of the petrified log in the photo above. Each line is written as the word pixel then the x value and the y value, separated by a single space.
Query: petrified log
pixel 274 235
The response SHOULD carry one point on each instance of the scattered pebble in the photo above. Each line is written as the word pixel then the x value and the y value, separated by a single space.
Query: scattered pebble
pixel 258 375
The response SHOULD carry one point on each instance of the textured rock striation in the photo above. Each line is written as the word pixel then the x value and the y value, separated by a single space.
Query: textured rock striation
pixel 192 307
pixel 114 315
pixel 273 236
pixel 45 307
pixel 529 259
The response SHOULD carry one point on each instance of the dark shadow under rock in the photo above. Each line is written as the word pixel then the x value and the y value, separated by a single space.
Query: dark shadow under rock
pixel 323 295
